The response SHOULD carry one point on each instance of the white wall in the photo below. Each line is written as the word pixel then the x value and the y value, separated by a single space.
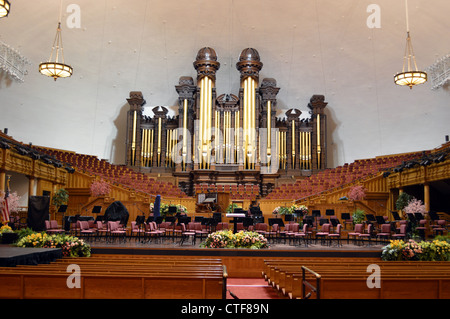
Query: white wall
pixel 309 47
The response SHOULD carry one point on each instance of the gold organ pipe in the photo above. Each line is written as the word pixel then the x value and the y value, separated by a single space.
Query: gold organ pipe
pixel 284 150
pixel 208 119
pixel 302 151
pixel 226 141
pixel 269 124
pixel 143 148
pixel 308 141
pixel 216 133
pixel 245 123
pixel 185 114
pixel 152 142
pixel 202 120
pixel 318 141
pixel 293 144
pixel 236 136
pixel 159 140
pixel 252 124
pixel 133 141
pixel 147 148
pixel 167 146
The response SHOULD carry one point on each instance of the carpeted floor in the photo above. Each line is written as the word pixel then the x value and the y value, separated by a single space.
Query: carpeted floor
pixel 250 288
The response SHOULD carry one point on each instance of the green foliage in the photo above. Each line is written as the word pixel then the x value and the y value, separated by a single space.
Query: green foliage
pixel 231 207
pixel 402 201
pixel 61 197
pixel 358 216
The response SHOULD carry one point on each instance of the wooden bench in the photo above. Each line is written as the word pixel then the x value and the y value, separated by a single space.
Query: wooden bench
pixel 150 278
pixel 346 279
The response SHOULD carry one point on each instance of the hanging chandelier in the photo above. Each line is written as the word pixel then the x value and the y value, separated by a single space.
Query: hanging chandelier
pixel 55 68
pixel 4 8
pixel 409 76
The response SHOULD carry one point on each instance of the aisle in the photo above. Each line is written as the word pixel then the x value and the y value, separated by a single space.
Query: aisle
pixel 250 288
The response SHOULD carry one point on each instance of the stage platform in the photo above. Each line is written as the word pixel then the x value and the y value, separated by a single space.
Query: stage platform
pixel 11 256
pixel 240 263
pixel 167 247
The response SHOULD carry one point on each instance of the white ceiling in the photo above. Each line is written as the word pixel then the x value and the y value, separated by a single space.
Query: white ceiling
pixel 309 47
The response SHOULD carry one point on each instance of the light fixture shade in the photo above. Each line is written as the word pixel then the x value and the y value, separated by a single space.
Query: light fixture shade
pixel 55 70
pixel 410 78
pixel 4 8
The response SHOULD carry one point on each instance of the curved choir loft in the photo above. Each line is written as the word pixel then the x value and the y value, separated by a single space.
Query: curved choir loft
pixel 227 140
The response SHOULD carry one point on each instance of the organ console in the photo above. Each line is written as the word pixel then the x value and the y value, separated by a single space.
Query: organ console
pixel 227 139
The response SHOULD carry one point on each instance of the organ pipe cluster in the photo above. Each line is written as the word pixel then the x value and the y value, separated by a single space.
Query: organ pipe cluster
pixel 241 131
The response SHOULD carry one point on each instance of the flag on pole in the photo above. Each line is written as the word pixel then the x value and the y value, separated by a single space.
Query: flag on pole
pixel 5 208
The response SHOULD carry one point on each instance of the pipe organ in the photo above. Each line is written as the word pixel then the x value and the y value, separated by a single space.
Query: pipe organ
pixel 227 139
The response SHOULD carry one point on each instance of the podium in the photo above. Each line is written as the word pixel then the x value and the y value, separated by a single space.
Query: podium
pixel 235 219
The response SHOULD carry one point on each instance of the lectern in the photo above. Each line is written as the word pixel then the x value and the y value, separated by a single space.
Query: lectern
pixel 235 219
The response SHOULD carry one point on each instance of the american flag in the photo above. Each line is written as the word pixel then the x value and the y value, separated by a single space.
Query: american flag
pixel 5 209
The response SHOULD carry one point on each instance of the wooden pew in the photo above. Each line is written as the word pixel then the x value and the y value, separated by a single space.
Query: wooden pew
pixel 433 278
pixel 152 278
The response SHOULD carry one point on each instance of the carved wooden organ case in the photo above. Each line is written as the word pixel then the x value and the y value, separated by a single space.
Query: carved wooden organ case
pixel 227 139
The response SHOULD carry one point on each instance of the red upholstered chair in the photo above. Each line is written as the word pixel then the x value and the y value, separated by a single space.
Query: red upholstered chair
pixel 115 232
pixel 102 230
pixel 85 230
pixel 200 231
pixel 367 234
pixel 151 231
pixel 185 234
pixel 291 230
pixel 336 235
pixel 441 227
pixel 401 234
pixel 304 234
pixel 324 231
pixel 136 230
pixel 261 228
pixel 422 228
pixel 54 228
pixel 358 229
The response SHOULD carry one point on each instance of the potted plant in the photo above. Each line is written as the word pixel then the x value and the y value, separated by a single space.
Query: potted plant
pixel 358 216
pixel 402 201
pixel 231 207
pixel 61 197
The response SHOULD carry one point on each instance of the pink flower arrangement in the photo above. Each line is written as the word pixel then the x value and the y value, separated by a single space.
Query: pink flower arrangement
pixel 100 188
pixel 13 201
pixel 415 206
pixel 357 192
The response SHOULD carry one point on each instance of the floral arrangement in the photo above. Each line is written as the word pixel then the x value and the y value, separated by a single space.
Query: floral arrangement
pixel 181 209
pixel 71 246
pixel 5 229
pixel 436 250
pixel 357 192
pixel 282 210
pixel 415 206
pixel 100 188
pixel 301 208
pixel 242 239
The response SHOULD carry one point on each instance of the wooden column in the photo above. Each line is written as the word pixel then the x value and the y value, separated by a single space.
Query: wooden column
pixel 426 196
